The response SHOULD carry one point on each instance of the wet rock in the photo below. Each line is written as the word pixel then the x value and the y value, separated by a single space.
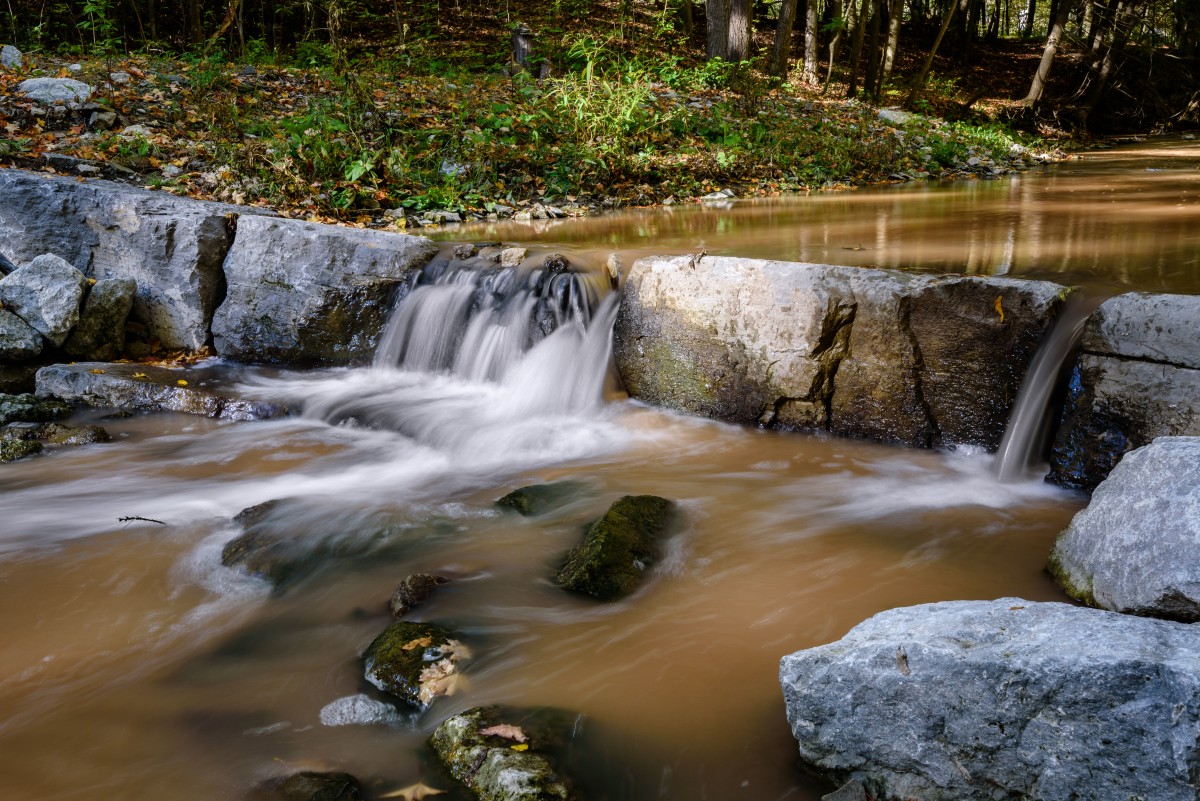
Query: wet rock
pixel 13 449
pixel 538 499
pixel 45 293
pixel 618 548
pixel 358 710
pixel 904 358
pixel 17 379
pixel 10 58
pixel 506 754
pixel 32 409
pixel 55 91
pixel 1137 377
pixel 415 662
pixel 148 388
pixel 309 786
pixel 307 294
pixel 1002 699
pixel 512 257
pixel 172 247
pixel 1133 548
pixel 19 341
pixel 100 333
pixel 413 591
pixel 852 790
pixel 6 265
pixel 56 434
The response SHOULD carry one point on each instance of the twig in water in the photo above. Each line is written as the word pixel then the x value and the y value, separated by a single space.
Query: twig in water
pixel 143 519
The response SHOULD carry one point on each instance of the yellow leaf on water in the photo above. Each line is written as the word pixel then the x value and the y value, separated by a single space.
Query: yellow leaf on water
pixel 181 383
pixel 1000 307
pixel 521 747
pixel 414 792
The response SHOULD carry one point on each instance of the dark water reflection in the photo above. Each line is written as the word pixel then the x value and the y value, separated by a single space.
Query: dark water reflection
pixel 1112 220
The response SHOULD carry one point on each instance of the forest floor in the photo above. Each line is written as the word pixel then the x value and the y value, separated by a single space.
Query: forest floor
pixel 433 130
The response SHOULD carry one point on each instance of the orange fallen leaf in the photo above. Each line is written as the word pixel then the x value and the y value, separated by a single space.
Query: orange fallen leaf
pixel 96 371
pixel 505 730
pixel 420 642
pixel 1000 307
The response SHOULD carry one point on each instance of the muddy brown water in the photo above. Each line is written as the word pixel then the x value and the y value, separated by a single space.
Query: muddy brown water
pixel 134 665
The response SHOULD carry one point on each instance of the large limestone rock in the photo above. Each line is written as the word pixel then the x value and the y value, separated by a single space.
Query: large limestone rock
pixel 100 333
pixel 45 293
pixel 18 339
pixel 56 91
pixel 1004 699
pixel 172 247
pixel 305 293
pixel 1137 378
pixel 887 355
pixel 1133 549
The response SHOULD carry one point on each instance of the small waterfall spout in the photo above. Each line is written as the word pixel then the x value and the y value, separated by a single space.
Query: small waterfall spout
pixel 1029 427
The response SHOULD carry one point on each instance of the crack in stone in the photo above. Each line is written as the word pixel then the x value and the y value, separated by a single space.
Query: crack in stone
pixel 933 430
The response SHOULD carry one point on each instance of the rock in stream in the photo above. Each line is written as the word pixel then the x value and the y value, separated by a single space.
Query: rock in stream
pixel 618 549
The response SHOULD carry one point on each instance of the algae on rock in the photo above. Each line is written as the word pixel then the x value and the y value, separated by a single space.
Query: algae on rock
pixel 415 662
pixel 618 548
pixel 538 499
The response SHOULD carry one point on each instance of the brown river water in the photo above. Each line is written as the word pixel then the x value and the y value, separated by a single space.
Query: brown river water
pixel 134 666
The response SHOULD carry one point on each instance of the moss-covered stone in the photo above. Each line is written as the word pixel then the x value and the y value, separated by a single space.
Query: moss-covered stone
pixel 412 591
pixel 309 786
pixel 538 499
pixel 31 409
pixel 13 449
pixel 618 548
pixel 56 434
pixel 415 662
pixel 506 754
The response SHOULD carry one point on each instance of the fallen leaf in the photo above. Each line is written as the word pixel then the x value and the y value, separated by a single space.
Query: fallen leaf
pixel 96 371
pixel 505 730
pixel 420 642
pixel 140 375
pixel 1000 307
pixel 521 747
pixel 455 650
pixel 414 792
pixel 181 383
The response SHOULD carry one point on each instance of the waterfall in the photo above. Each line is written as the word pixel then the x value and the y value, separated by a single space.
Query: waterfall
pixel 1029 426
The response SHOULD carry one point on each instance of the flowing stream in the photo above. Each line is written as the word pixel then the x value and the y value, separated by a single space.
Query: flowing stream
pixel 135 665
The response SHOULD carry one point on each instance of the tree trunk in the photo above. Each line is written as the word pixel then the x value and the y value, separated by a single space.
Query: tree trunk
pixel 739 30
pixel 849 12
pixel 919 84
pixel 856 46
pixel 871 82
pixel 893 41
pixel 1031 12
pixel 810 43
pixel 716 20
pixel 1038 87
pixel 1122 26
pixel 152 19
pixel 783 38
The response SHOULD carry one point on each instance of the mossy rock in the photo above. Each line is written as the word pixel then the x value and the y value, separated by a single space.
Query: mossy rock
pixel 309 786
pixel 412 591
pixel 56 434
pixel 13 449
pixel 415 662
pixel 31 409
pixel 618 548
pixel 506 754
pixel 538 499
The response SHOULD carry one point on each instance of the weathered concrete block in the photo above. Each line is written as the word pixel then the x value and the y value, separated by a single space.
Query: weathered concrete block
pixel 306 294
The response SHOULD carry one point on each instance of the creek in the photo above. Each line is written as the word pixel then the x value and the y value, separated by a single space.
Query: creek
pixel 135 664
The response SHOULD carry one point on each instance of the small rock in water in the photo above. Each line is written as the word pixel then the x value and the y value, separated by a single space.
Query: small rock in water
pixel 13 449
pixel 538 499
pixel 358 710
pixel 512 257
pixel 618 548
pixel 412 591
pixel 309 786
pixel 29 408
pixel 415 662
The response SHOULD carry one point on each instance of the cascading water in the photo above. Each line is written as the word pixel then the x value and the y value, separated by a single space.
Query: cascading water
pixel 1029 426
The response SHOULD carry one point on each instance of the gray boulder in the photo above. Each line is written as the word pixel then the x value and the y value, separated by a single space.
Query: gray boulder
pixel 307 294
pixel 1137 377
pixel 18 339
pixel 873 353
pixel 45 293
pixel 1005 699
pixel 172 247
pixel 100 333
pixel 140 387
pixel 1133 549
pixel 56 91
pixel 10 57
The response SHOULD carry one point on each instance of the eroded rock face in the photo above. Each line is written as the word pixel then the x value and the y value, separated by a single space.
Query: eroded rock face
pixel 618 549
pixel 172 247
pixel 310 294
pixel 1137 378
pixel 904 358
pixel 1133 549
pixel 507 754
pixel 100 333
pixel 1005 699
pixel 45 293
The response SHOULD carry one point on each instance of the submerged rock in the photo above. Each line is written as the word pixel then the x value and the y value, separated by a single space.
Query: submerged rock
pixel 55 434
pixel 618 548
pixel 309 786
pixel 31 409
pixel 415 662
pixel 538 499
pixel 1137 377
pixel 45 293
pixel 1133 549
pixel 412 591
pixel 1002 699
pixel 506 754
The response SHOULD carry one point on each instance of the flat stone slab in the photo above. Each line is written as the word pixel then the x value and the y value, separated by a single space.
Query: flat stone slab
pixel 1005 699
pixel 1133 549
pixel 195 390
